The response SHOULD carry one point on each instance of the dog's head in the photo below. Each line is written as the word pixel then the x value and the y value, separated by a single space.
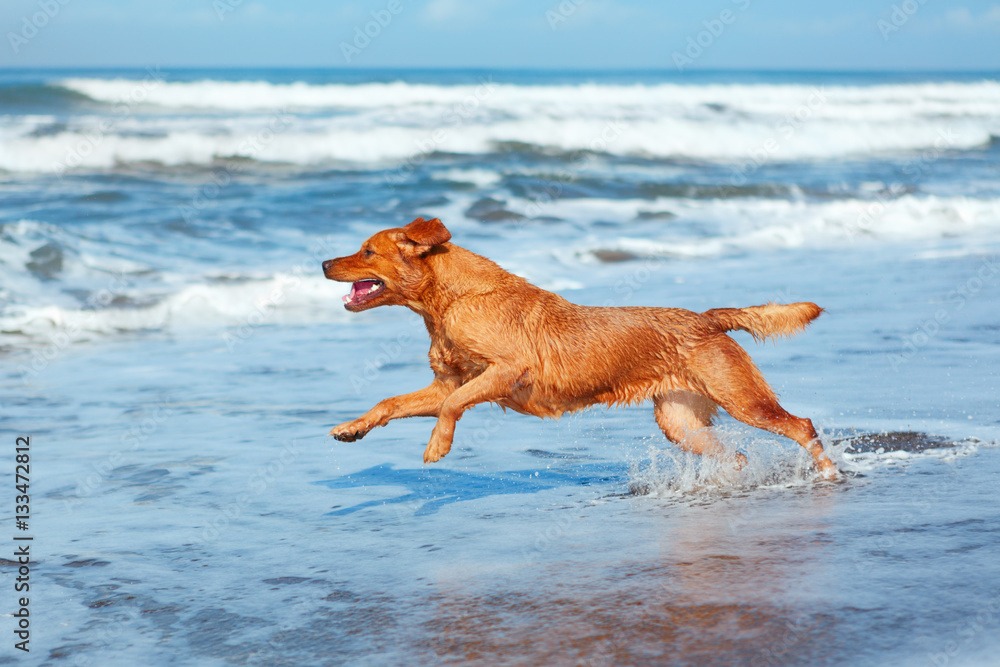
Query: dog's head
pixel 389 270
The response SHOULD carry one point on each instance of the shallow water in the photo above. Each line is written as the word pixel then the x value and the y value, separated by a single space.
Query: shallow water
pixel 177 359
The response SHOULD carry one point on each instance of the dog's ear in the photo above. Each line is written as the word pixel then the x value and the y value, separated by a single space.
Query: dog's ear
pixel 426 233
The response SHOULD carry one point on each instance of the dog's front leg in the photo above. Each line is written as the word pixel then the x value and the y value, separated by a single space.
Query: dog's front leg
pixel 425 402
pixel 492 384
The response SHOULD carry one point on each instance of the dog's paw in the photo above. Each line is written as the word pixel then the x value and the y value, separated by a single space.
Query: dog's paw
pixel 827 469
pixel 740 458
pixel 435 452
pixel 350 431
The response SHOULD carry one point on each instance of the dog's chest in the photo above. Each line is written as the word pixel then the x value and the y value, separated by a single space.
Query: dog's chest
pixel 453 360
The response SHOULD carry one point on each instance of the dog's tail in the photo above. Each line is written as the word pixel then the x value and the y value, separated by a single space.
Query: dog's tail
pixel 768 321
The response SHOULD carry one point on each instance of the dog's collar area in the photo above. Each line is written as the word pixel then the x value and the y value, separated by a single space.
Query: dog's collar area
pixel 363 290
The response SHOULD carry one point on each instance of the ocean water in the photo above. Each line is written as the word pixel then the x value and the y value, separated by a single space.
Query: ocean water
pixel 174 353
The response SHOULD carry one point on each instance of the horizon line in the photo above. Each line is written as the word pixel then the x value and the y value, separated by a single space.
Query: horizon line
pixel 658 70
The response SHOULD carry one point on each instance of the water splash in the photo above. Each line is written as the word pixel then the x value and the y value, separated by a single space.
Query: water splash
pixel 670 471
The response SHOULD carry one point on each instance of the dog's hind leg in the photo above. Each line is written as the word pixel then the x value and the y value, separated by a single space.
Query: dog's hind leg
pixel 735 383
pixel 686 419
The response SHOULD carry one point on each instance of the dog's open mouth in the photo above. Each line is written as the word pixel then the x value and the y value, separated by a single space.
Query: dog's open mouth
pixel 363 291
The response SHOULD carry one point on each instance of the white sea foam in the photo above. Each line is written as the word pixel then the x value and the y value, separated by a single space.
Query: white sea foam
pixel 88 289
pixel 230 310
pixel 881 102
pixel 746 144
pixel 742 224
pixel 480 177
pixel 393 122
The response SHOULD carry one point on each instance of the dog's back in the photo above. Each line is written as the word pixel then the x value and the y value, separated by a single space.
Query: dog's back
pixel 577 356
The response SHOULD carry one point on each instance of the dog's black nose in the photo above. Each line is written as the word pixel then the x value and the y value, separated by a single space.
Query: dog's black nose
pixel 326 265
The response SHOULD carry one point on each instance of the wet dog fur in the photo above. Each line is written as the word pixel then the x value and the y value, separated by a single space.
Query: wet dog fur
pixel 497 338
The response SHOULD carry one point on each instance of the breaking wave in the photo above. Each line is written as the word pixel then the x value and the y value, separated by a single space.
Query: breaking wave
pixel 179 123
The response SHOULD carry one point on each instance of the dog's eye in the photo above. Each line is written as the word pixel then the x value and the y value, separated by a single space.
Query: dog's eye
pixel 368 252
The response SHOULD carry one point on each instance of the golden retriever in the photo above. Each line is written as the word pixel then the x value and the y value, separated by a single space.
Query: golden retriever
pixel 497 338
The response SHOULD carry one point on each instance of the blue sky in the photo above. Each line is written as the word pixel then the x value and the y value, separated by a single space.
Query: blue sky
pixel 584 34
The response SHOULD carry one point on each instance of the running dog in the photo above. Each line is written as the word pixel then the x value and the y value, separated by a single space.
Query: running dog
pixel 497 338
